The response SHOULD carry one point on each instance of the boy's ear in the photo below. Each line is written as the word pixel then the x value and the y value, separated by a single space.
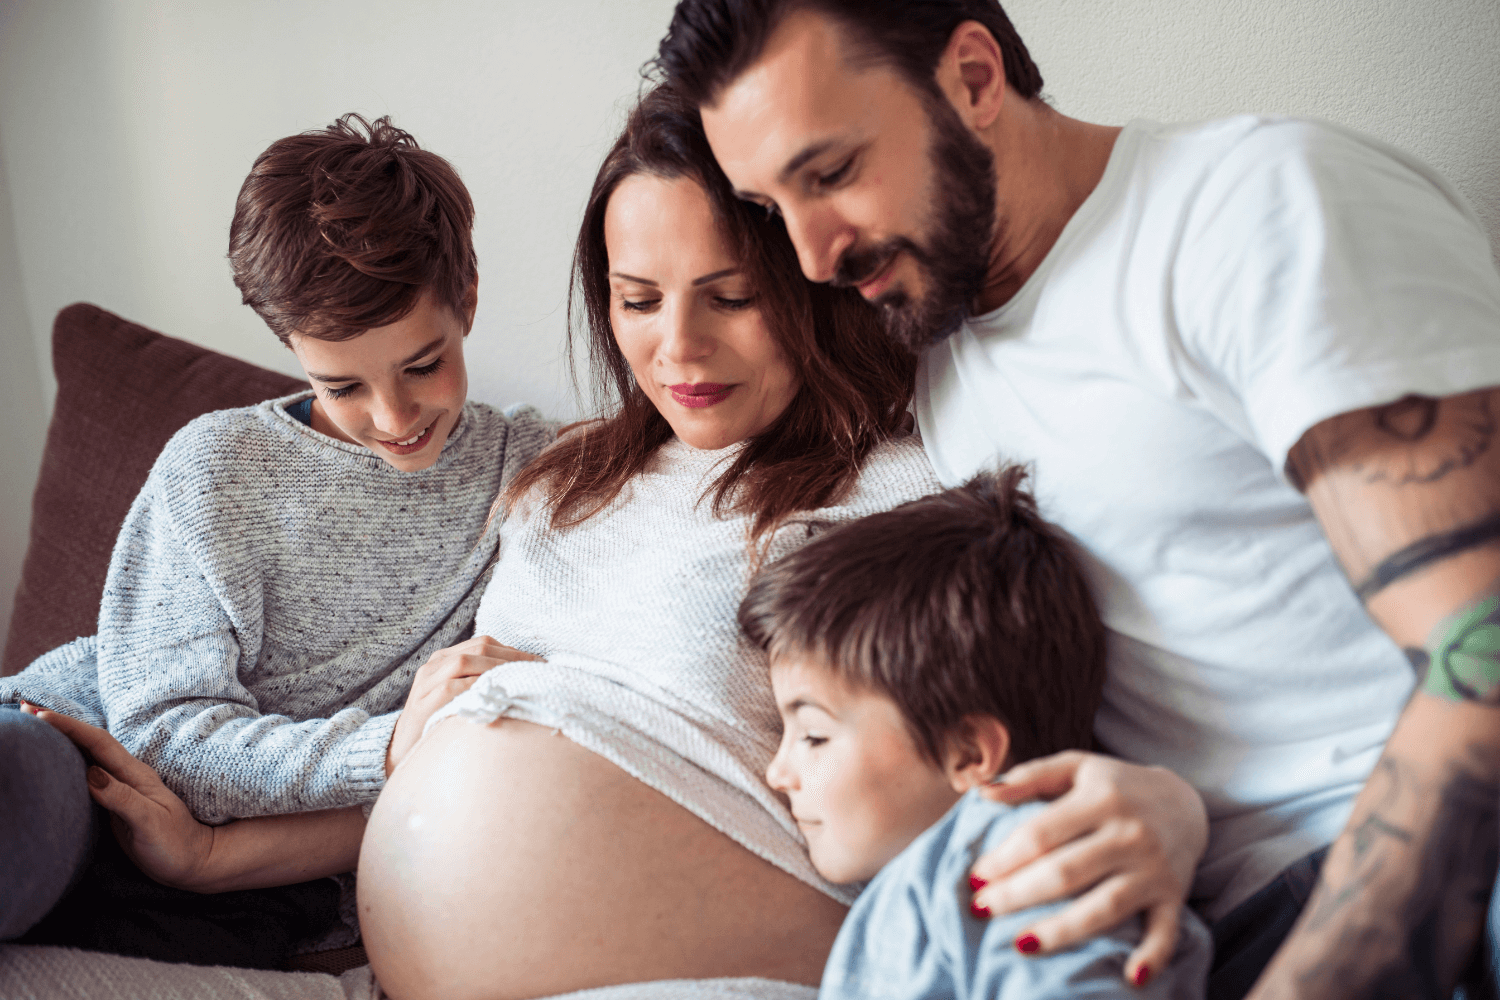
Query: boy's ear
pixel 471 305
pixel 977 751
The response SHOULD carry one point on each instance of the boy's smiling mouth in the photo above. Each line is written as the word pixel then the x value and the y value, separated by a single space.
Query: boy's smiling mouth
pixel 412 444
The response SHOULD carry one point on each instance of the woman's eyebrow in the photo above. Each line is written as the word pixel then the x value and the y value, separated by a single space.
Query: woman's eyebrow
pixel 715 276
pixel 631 277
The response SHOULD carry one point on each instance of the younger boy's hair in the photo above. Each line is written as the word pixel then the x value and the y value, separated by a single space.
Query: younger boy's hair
pixel 341 229
pixel 962 603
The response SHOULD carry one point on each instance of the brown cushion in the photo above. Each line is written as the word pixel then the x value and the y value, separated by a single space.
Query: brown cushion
pixel 122 391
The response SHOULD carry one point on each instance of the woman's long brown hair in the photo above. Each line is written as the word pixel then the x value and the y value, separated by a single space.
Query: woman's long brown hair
pixel 856 383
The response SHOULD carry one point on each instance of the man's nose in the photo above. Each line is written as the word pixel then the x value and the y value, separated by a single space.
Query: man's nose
pixel 821 237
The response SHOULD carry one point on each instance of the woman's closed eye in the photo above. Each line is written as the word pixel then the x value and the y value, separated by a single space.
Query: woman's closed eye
pixel 813 740
pixel 733 304
pixel 639 305
pixel 339 392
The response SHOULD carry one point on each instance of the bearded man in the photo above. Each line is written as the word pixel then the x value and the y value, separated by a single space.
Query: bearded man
pixel 1253 362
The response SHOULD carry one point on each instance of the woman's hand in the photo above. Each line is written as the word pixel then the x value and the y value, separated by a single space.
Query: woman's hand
pixel 1121 837
pixel 153 825
pixel 446 675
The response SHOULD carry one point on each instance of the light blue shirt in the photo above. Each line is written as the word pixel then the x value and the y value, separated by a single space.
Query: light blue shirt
pixel 910 934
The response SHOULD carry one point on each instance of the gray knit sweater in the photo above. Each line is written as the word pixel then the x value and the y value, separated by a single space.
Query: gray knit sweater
pixel 271 594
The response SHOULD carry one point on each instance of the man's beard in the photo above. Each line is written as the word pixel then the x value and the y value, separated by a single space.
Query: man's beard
pixel 956 257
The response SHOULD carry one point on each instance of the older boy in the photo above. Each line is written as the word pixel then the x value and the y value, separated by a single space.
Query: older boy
pixel 287 567
pixel 916 655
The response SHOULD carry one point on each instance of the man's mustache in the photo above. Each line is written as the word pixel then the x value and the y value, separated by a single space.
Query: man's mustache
pixel 858 265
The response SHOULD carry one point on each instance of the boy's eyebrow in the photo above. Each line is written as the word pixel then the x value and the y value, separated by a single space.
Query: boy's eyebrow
pixel 804 702
pixel 426 349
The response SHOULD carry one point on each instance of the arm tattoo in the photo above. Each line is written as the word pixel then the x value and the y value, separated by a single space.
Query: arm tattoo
pixel 1429 550
pixel 1464 424
pixel 1416 946
pixel 1464 653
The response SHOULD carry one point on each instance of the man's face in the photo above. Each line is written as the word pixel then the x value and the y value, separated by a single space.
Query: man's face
pixel 883 188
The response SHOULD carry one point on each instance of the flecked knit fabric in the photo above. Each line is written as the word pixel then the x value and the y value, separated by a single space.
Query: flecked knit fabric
pixel 634 611
pixel 270 596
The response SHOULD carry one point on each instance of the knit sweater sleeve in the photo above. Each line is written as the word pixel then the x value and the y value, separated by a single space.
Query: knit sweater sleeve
pixel 180 623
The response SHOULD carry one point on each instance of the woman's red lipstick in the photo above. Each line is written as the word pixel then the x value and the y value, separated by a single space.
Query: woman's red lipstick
pixel 700 394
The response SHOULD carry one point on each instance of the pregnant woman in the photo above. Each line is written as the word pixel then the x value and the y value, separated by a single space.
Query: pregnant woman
pixel 602 817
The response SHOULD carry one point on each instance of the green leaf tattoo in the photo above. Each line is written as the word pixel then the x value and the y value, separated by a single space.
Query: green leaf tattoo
pixel 1465 663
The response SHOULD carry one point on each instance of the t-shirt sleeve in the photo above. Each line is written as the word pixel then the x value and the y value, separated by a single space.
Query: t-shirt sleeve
pixel 169 656
pixel 1321 272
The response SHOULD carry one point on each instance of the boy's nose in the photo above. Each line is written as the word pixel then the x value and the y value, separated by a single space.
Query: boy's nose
pixel 779 776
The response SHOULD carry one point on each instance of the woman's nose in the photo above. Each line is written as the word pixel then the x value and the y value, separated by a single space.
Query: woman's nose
pixel 687 335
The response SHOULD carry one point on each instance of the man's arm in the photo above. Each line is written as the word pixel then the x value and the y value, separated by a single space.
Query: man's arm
pixel 1409 497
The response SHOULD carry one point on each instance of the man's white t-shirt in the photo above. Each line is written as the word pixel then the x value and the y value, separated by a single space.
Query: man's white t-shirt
pixel 1227 286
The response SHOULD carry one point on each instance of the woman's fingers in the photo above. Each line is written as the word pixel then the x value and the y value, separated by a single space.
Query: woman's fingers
pixel 1063 872
pixel 105 750
pixel 1063 821
pixel 1157 945
pixel 1043 778
pixel 121 799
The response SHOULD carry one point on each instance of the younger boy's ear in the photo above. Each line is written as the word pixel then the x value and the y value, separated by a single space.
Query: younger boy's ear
pixel 977 751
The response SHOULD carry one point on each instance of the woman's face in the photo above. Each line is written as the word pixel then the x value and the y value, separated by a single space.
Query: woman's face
pixel 687 318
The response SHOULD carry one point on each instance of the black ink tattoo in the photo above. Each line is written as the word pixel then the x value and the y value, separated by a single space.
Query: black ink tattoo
pixel 1460 430
pixel 1410 418
pixel 1419 661
pixel 1418 555
pixel 1417 946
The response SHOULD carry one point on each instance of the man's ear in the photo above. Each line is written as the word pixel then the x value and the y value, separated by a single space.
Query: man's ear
pixel 977 751
pixel 971 72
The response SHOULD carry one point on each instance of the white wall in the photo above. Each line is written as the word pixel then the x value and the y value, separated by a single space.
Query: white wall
pixel 126 127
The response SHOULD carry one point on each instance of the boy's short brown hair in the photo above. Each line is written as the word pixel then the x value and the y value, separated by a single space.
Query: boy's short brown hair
pixel 962 603
pixel 341 229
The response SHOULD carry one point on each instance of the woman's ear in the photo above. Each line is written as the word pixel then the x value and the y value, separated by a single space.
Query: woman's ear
pixel 977 751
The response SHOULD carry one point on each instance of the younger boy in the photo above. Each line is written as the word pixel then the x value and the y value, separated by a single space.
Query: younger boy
pixel 915 656
pixel 285 570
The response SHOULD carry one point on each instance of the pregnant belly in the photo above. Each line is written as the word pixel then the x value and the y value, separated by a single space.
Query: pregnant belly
pixel 505 861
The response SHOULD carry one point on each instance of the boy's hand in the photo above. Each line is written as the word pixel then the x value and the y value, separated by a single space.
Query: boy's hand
pixel 153 825
pixel 1121 837
pixel 449 673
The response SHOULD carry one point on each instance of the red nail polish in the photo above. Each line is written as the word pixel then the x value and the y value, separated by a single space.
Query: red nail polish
pixel 976 883
pixel 1142 974
pixel 982 912
pixel 1028 944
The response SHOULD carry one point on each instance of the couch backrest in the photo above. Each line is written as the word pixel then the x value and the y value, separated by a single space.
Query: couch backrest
pixel 122 391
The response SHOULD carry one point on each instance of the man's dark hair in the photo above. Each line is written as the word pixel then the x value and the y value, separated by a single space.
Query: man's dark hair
pixel 711 42
pixel 962 603
pixel 341 229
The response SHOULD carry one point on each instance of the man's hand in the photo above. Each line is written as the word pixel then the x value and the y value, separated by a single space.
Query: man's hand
pixel 449 673
pixel 153 825
pixel 1123 838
